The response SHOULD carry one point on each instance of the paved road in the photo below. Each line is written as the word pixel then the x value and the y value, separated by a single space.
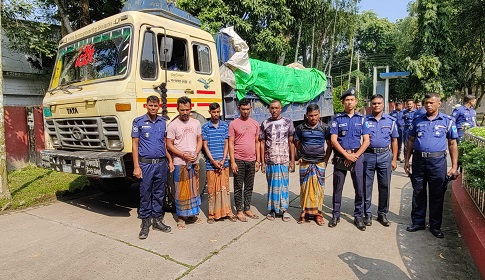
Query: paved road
pixel 96 237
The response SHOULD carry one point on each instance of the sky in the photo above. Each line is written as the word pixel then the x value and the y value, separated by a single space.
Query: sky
pixel 390 9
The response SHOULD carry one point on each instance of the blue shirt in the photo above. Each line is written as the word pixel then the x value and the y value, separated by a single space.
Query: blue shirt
pixel 408 117
pixel 431 135
pixel 151 136
pixel 312 141
pixel 419 113
pixel 398 115
pixel 349 130
pixel 215 137
pixel 463 115
pixel 381 131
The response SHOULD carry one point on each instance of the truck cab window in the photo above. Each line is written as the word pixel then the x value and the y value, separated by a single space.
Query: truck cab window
pixel 202 61
pixel 148 68
pixel 176 54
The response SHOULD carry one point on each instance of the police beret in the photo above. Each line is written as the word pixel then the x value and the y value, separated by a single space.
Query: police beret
pixel 350 92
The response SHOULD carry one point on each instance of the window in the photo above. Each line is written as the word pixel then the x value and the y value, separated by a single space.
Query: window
pixel 148 66
pixel 105 55
pixel 202 58
pixel 173 52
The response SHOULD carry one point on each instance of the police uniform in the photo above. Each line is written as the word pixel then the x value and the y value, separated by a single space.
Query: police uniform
pixel 408 116
pixel 378 158
pixel 349 131
pixel 398 115
pixel 429 167
pixel 153 163
pixel 464 116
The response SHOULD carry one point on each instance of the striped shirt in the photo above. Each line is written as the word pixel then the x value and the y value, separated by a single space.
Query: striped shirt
pixel 215 137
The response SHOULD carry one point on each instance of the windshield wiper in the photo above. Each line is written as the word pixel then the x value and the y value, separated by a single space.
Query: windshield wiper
pixel 66 88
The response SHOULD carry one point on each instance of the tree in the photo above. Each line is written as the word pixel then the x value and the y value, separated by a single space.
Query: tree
pixel 37 21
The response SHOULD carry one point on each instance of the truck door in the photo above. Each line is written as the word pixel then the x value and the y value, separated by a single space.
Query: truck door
pixel 207 81
pixel 165 57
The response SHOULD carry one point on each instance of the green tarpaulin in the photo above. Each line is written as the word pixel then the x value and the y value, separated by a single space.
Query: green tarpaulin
pixel 271 81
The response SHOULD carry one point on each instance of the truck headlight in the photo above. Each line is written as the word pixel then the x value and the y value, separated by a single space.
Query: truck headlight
pixel 55 141
pixel 114 144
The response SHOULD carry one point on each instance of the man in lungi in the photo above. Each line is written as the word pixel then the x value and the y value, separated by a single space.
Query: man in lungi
pixel 184 141
pixel 310 138
pixel 150 166
pixel 215 143
pixel 245 158
pixel 278 151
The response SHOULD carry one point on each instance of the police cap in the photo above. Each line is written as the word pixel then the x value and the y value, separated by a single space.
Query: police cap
pixel 350 92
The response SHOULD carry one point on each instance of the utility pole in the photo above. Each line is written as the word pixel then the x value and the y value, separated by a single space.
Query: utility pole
pixel 4 191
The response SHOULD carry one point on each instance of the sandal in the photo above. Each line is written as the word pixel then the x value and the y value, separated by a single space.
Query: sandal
pixel 181 225
pixel 232 218
pixel 242 218
pixel 319 220
pixel 286 217
pixel 199 221
pixel 302 219
pixel 210 220
pixel 271 216
pixel 252 215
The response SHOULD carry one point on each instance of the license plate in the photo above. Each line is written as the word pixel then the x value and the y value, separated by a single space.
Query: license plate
pixel 67 168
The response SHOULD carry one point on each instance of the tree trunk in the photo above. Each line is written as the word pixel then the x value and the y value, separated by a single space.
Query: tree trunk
pixel 84 18
pixel 297 43
pixel 64 18
pixel 281 59
pixel 4 191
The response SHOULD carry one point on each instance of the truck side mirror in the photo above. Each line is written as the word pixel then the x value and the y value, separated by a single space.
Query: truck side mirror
pixel 166 48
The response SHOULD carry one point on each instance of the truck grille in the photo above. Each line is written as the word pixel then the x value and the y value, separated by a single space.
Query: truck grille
pixel 85 133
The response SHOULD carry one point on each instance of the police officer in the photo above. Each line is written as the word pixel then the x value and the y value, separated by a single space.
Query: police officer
pixel 346 131
pixel 398 115
pixel 408 116
pixel 429 137
pixel 150 162
pixel 465 116
pixel 379 159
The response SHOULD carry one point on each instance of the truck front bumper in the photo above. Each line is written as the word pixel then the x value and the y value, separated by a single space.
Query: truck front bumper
pixel 92 164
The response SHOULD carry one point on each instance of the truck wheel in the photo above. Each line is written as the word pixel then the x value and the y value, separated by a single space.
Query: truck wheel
pixel 112 185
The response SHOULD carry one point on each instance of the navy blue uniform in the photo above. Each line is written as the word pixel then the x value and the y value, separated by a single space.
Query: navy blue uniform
pixel 378 158
pixel 464 117
pixel 398 115
pixel 429 167
pixel 408 117
pixel 349 131
pixel 153 164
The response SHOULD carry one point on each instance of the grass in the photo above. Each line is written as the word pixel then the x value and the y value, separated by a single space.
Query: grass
pixel 32 186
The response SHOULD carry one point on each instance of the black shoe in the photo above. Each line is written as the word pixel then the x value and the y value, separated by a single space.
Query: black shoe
pixel 437 233
pixel 359 223
pixel 145 228
pixel 333 222
pixel 158 224
pixel 413 228
pixel 368 220
pixel 383 220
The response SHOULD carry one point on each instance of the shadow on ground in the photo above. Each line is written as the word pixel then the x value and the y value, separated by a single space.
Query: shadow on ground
pixel 370 269
pixel 427 257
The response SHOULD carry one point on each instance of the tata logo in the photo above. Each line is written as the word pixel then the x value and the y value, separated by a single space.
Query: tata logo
pixel 72 110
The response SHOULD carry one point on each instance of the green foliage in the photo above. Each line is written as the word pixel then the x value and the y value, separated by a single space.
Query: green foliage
pixel 32 185
pixel 478 131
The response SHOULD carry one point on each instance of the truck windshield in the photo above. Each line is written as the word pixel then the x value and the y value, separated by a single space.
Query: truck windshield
pixel 105 55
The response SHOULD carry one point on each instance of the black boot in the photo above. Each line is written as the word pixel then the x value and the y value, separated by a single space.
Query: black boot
pixel 158 224
pixel 145 228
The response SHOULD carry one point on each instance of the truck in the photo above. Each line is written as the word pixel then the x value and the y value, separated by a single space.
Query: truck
pixel 105 71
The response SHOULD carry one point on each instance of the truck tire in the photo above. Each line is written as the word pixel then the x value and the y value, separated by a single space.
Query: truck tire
pixel 111 185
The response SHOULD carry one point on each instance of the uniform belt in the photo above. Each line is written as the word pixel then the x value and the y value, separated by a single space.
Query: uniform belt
pixel 151 160
pixel 352 150
pixel 429 155
pixel 337 154
pixel 377 150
